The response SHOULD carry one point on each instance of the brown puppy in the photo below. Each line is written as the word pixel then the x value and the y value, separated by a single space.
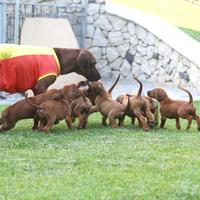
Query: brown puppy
pixel 81 108
pixel 68 92
pixel 137 106
pixel 91 94
pixel 150 103
pixel 174 109
pixel 106 105
pixel 22 110
pixel 51 111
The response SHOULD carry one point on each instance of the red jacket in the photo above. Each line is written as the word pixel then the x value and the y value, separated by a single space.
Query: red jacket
pixel 21 67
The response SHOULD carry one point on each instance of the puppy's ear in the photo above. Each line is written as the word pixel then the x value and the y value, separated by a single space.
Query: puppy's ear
pixel 129 95
pixel 57 96
pixel 161 95
pixel 81 84
pixel 125 102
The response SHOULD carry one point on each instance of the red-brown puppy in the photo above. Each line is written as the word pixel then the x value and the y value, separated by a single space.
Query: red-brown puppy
pixel 81 109
pixel 148 102
pixel 106 105
pixel 91 94
pixel 136 106
pixel 52 111
pixel 68 93
pixel 175 109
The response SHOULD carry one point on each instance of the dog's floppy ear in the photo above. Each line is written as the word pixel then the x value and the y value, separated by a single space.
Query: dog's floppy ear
pixel 125 101
pixel 84 60
pixel 161 95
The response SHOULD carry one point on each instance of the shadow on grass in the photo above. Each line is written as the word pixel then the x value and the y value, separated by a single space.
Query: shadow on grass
pixel 193 33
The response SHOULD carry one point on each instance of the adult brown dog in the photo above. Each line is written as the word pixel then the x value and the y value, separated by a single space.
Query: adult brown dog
pixel 174 109
pixel 80 61
pixel 104 104
pixel 81 109
pixel 137 106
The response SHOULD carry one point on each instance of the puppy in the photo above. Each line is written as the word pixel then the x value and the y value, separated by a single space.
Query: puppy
pixel 137 106
pixel 174 109
pixel 91 94
pixel 68 93
pixel 104 104
pixel 81 108
pixel 51 111
pixel 150 103
pixel 153 106
pixel 22 110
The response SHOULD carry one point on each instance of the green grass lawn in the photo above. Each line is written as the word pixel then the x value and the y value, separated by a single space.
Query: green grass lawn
pixel 181 13
pixel 100 162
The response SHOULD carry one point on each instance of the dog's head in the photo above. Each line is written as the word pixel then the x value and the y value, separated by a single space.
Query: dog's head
pixel 157 93
pixel 83 86
pixel 87 65
pixel 124 100
pixel 96 87
pixel 70 92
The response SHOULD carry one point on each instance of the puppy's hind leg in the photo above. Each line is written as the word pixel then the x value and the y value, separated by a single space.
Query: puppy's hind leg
pixel 121 120
pixel 198 121
pixel 141 120
pixel 104 118
pixel 77 113
pixel 6 126
pixel 49 124
pixel 85 118
pixel 163 120
pixel 112 119
pixel 178 127
pixel 68 121
pixel 35 122
pixel 189 118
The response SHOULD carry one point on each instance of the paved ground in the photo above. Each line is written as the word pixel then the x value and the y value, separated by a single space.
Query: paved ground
pixel 129 86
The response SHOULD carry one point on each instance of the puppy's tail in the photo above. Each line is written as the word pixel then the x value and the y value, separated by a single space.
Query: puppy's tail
pixel 4 117
pixel 115 83
pixel 190 95
pixel 28 101
pixel 140 89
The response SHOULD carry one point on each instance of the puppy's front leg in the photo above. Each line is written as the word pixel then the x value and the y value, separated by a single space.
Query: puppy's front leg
pixel 178 127
pixel 104 118
pixel 163 120
pixel 68 121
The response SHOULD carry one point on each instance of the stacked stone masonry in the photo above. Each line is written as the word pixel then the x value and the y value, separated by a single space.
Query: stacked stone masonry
pixel 121 46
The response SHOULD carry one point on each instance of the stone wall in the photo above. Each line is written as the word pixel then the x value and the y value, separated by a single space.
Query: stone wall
pixel 122 46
